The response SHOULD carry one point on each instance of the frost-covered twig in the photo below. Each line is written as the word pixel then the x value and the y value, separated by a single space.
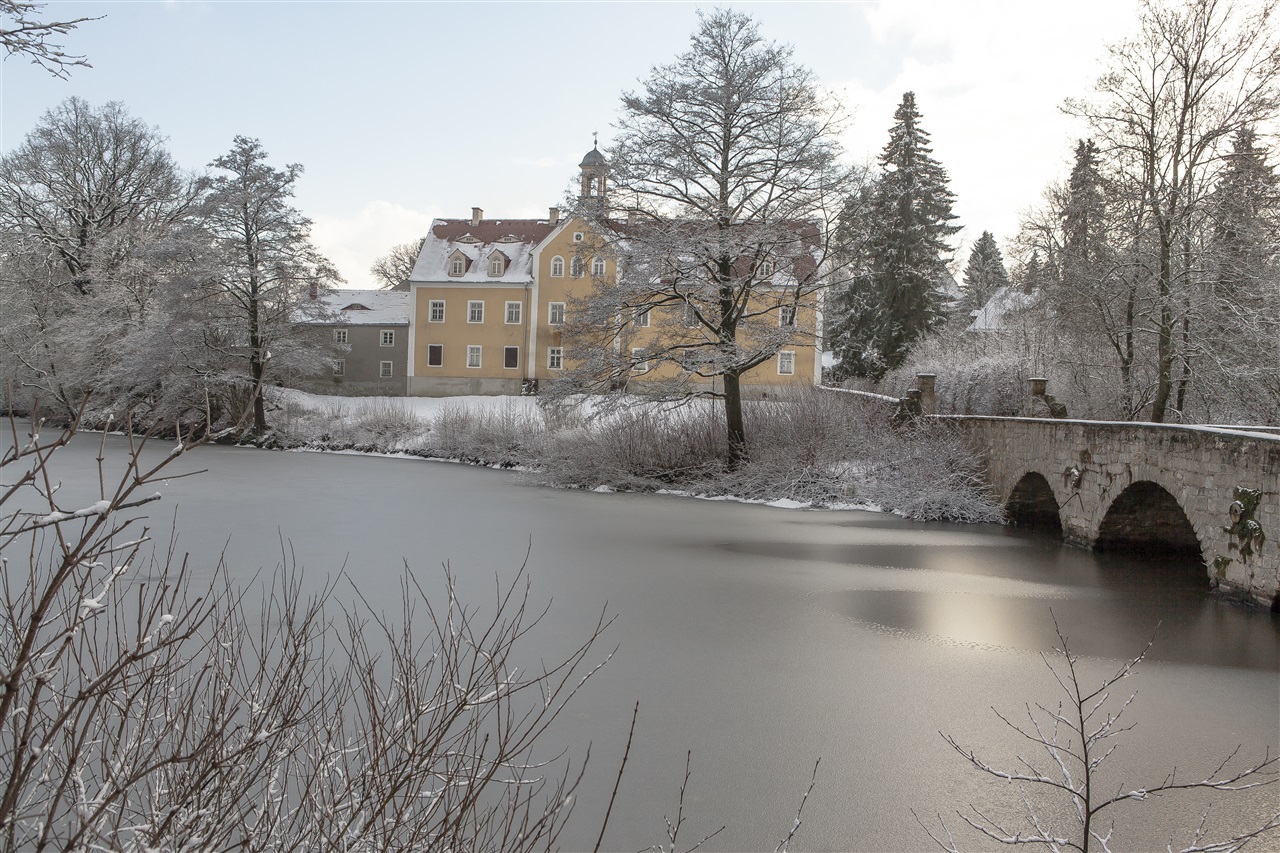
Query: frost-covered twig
pixel 1076 738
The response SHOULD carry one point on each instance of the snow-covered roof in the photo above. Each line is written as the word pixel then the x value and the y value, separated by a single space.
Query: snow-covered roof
pixel 1003 303
pixel 366 307
pixel 515 239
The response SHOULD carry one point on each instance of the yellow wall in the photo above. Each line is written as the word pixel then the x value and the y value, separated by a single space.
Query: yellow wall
pixel 493 335
pixel 456 334
pixel 565 288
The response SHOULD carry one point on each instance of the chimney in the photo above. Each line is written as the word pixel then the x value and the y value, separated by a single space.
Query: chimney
pixel 553 216
pixel 476 215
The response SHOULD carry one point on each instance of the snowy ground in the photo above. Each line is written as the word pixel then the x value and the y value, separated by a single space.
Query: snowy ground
pixel 424 407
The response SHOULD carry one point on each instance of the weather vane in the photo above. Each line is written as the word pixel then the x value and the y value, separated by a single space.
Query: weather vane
pixel 595 139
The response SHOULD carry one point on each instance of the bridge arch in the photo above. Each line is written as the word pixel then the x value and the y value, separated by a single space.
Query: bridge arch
pixel 1145 518
pixel 1032 505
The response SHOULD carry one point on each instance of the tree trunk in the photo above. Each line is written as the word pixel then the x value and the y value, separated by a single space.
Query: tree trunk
pixel 1164 337
pixel 737 433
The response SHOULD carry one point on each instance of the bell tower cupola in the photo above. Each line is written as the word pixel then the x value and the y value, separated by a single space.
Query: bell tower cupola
pixel 595 172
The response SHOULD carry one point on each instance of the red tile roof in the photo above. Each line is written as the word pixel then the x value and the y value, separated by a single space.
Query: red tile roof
pixel 493 230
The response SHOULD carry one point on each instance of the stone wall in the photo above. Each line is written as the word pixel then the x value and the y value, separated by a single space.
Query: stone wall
pixel 1227 482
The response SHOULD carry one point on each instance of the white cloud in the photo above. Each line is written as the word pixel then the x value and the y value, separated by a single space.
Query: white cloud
pixel 990 79
pixel 354 242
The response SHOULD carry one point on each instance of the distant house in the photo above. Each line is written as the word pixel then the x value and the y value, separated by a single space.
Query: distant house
pixel 1004 304
pixel 371 334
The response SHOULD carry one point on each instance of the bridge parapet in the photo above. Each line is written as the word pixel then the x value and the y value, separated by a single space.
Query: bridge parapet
pixel 1225 481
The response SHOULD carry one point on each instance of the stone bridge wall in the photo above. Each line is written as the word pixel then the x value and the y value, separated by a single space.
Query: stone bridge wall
pixel 1088 464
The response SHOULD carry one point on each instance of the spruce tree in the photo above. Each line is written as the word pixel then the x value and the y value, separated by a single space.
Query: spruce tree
pixel 1084 234
pixel 985 273
pixel 1246 219
pixel 902 255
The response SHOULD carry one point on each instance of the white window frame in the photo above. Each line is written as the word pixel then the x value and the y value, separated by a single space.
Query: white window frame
pixel 340 336
pixel 597 267
pixel 577 267
pixel 639 360
pixel 475 310
pixel 339 367
pixel 786 315
pixel 555 358
pixel 457 266
pixel 557 267
pixel 577 236
pixel 555 313
pixel 507 351
pixel 387 338
pixel 641 317
pixel 787 359
pixel 432 316
pixel 764 270
pixel 690 316
pixel 513 312
pixel 475 353
pixel 440 349
pixel 497 266
pixel 386 369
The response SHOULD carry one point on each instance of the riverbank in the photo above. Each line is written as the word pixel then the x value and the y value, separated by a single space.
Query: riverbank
pixel 810 450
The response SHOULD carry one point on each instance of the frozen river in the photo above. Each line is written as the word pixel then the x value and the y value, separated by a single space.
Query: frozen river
pixel 762 639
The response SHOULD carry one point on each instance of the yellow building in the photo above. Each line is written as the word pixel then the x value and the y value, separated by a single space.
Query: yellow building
pixel 490 300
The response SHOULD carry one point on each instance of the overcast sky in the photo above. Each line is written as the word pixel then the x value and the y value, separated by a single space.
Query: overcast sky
pixel 404 111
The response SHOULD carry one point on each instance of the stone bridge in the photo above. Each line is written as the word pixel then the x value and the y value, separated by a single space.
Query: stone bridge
pixel 1208 491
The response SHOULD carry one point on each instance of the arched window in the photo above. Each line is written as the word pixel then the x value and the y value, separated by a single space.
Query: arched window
pixel 496 267
pixel 597 267
pixel 575 268
pixel 557 266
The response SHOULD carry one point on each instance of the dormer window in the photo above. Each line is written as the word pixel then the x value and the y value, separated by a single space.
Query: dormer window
pixel 457 264
pixel 497 265
pixel 764 270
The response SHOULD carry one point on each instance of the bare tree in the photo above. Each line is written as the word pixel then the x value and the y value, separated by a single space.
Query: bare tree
pixel 1197 73
pixel 723 178
pixel 393 269
pixel 1074 739
pixel 140 712
pixel 25 34
pixel 91 208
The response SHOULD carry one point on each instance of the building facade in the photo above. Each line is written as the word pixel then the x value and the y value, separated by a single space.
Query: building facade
pixel 370 330
pixel 490 300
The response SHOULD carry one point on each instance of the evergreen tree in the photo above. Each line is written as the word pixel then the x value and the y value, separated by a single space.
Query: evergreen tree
pixel 985 273
pixel 897 297
pixel 1084 238
pixel 1246 216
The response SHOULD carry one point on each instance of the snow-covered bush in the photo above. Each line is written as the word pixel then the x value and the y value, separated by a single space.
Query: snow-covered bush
pixel 388 423
pixel 508 436
pixel 643 448
pixel 811 446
